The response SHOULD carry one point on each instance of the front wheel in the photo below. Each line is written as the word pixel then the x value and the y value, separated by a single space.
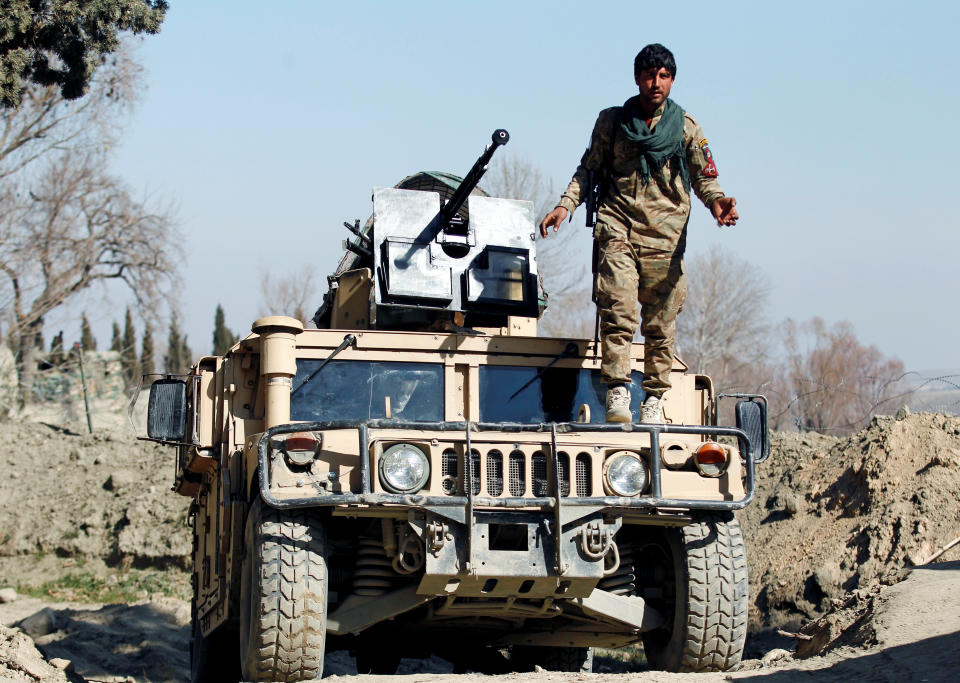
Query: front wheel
pixel 283 596
pixel 703 567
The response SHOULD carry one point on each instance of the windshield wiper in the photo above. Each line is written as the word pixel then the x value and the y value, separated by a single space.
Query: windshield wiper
pixel 569 351
pixel 347 341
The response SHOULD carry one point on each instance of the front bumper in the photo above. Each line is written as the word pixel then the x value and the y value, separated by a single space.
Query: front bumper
pixel 563 514
pixel 455 507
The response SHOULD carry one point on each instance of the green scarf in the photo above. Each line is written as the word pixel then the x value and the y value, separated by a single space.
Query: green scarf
pixel 656 147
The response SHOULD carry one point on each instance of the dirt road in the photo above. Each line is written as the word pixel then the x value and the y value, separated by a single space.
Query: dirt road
pixel 908 631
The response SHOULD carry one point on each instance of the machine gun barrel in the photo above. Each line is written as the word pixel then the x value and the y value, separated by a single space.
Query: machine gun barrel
pixel 472 179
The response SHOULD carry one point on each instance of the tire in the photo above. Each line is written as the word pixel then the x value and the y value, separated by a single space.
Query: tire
pixel 575 659
pixel 283 596
pixel 704 598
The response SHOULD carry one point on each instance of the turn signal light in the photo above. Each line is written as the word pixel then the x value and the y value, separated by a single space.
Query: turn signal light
pixel 301 447
pixel 712 459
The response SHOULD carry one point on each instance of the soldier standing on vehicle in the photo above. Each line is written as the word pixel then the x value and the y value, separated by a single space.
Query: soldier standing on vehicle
pixel 646 156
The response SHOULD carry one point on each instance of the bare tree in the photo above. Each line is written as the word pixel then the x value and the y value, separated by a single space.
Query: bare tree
pixel 65 223
pixel 568 283
pixel 723 329
pixel 514 178
pixel 45 123
pixel 837 384
pixel 292 294
pixel 72 227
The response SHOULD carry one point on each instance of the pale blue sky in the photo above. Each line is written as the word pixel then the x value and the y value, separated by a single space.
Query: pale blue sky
pixel 831 122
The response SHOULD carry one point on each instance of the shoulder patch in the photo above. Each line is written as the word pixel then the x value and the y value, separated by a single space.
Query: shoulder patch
pixel 709 167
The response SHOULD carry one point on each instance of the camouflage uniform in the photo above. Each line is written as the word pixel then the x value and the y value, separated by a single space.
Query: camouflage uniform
pixel 641 233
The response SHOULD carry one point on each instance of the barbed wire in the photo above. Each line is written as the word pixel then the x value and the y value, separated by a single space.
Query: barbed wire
pixel 872 401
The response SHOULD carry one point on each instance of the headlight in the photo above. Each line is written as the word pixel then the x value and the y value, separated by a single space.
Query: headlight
pixel 625 473
pixel 404 468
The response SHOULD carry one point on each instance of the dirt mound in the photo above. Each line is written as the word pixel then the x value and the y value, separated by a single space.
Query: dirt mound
pixel 143 641
pixel 850 621
pixel 835 515
pixel 20 660
pixel 103 495
pixel 914 622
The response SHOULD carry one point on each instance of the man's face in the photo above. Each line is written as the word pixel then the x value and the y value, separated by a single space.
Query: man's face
pixel 654 86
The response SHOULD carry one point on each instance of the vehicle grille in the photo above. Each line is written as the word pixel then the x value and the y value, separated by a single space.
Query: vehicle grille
pixel 518 473
pixel 448 472
pixel 495 473
pixel 495 478
pixel 584 475
pixel 539 474
pixel 475 471
pixel 563 466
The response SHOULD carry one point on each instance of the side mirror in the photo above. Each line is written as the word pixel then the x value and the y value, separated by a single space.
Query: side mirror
pixel 752 419
pixel 167 410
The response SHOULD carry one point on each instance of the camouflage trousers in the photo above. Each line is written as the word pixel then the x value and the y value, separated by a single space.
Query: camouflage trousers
pixel 628 274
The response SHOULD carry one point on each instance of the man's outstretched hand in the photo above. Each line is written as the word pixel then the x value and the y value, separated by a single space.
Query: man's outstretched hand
pixel 724 210
pixel 554 218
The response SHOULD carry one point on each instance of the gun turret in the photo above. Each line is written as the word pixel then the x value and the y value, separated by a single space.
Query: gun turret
pixel 425 259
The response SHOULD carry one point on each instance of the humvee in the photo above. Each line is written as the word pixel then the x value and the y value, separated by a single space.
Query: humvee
pixel 423 474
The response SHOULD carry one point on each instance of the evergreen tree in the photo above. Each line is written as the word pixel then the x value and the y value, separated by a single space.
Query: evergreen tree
pixel 146 352
pixel 186 355
pixel 223 338
pixel 173 360
pixel 56 344
pixel 87 340
pixel 61 43
pixel 56 348
pixel 128 354
pixel 116 343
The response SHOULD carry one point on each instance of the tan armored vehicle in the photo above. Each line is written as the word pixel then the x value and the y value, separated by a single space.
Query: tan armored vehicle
pixel 423 474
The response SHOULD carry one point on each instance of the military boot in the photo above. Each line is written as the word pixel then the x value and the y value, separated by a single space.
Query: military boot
pixel 652 410
pixel 618 404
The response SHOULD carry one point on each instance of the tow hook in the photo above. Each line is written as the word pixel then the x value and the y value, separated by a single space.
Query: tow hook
pixel 595 540
pixel 436 535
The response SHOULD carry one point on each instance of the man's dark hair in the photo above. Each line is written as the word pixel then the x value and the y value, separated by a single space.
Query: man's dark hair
pixel 654 56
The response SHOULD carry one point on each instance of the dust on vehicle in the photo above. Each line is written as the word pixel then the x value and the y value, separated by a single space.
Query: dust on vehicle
pixel 423 474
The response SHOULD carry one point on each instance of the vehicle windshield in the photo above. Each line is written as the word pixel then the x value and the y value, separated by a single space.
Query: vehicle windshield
pixel 555 397
pixel 356 390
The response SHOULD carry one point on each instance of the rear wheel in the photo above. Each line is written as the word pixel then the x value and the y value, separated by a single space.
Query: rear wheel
pixel 283 596
pixel 703 595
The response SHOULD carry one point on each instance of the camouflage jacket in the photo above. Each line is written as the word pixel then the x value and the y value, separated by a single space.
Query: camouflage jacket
pixel 656 215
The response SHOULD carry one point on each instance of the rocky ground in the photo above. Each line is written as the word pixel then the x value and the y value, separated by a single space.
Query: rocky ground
pixel 93 550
